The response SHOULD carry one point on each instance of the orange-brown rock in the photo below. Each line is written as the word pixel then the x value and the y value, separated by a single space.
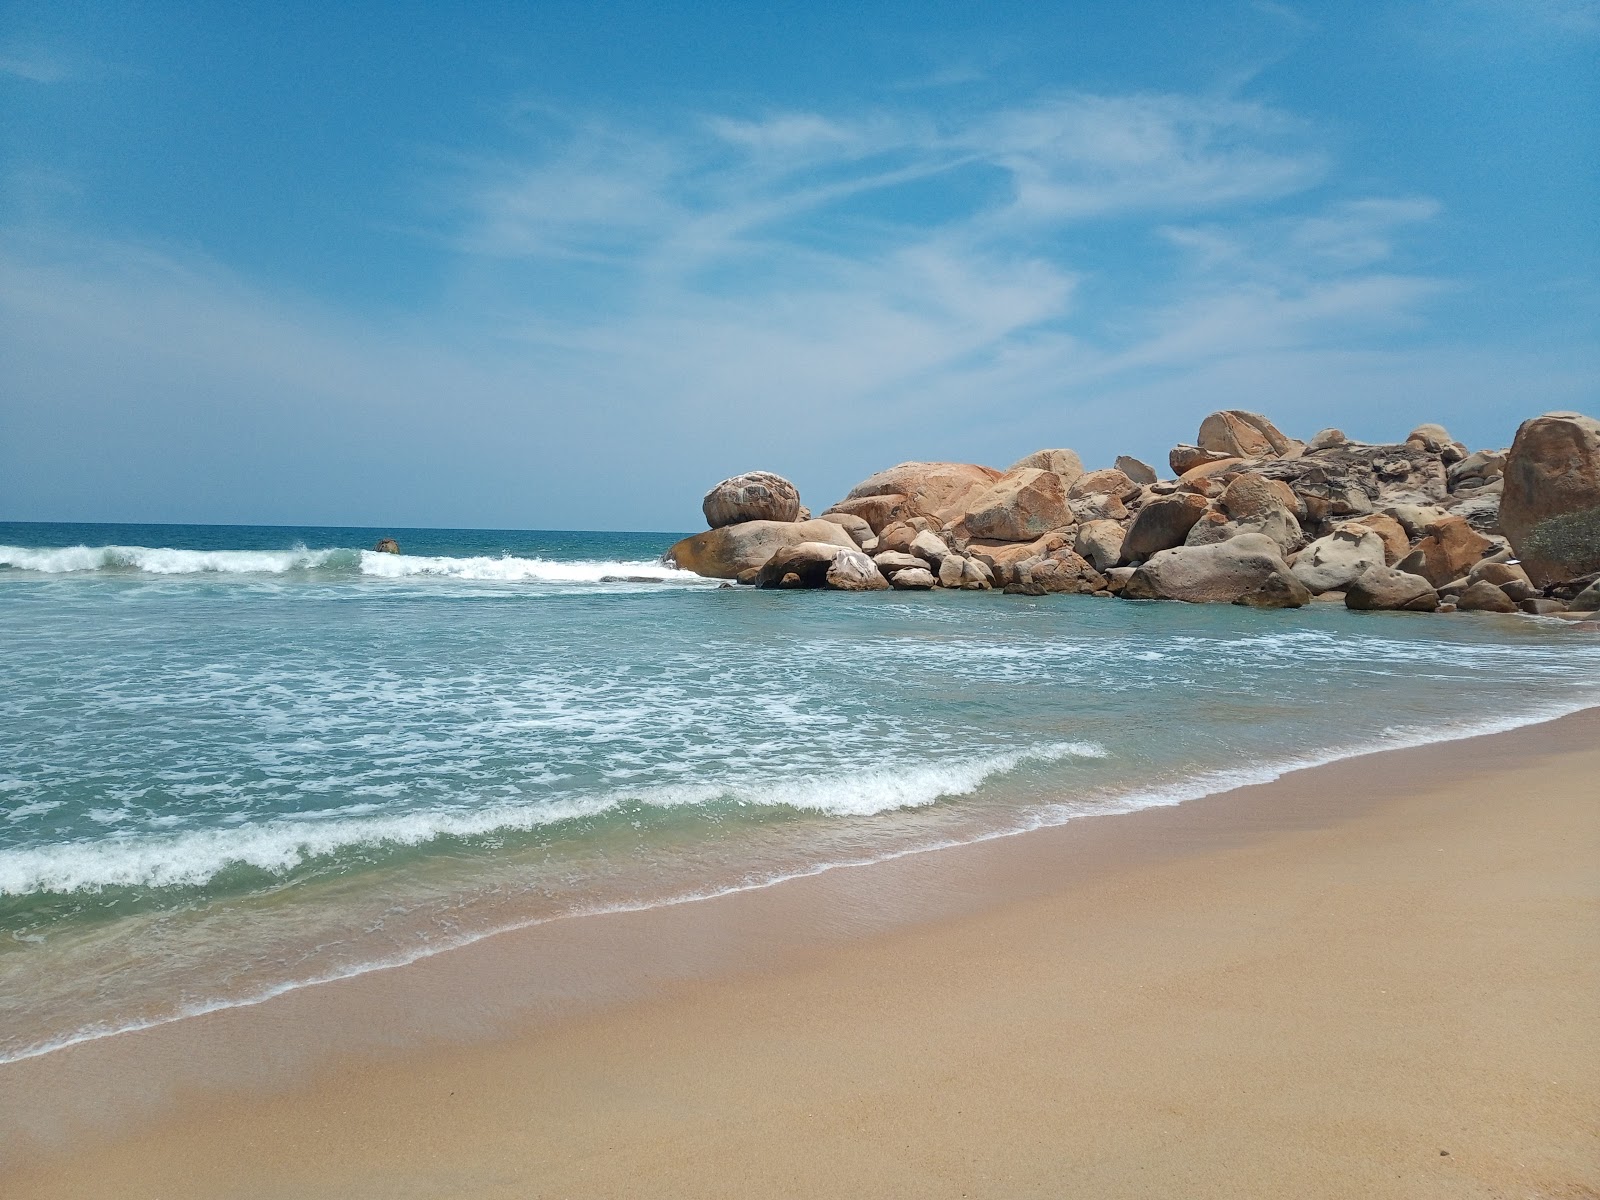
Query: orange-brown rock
pixel 938 491
pixel 1450 550
pixel 879 512
pixel 1021 505
pixel 1183 459
pixel 1109 482
pixel 1550 508
pixel 726 552
pixel 1242 434
pixel 1396 545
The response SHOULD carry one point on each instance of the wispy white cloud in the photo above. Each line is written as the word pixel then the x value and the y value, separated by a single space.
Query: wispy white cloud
pixel 33 64
pixel 806 292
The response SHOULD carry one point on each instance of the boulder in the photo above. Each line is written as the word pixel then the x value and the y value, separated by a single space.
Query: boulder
pixel 854 571
pixel 1242 435
pixel 1550 507
pixel 1183 458
pixel 1098 506
pixel 1449 550
pixel 1109 482
pixel 856 527
pixel 753 496
pixel 950 571
pixel 1253 502
pixel 1021 505
pixel 879 512
pixel 1433 438
pixel 1135 469
pixel 1415 518
pixel 1540 607
pixel 821 564
pixel 1100 542
pixel 1484 596
pixel 1396 545
pixel 930 547
pixel 891 562
pixel 807 562
pixel 913 579
pixel 1277 591
pixel 1388 588
pixel 1333 561
pixel 1062 571
pixel 1327 439
pixel 1064 463
pixel 939 491
pixel 1476 469
pixel 1215 574
pixel 387 546
pixel 1161 524
pixel 1500 573
pixel 724 552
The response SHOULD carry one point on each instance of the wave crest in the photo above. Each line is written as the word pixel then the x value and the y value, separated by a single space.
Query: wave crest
pixel 279 846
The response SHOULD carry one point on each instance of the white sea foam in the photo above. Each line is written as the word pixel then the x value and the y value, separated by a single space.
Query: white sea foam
pixel 511 569
pixel 279 845
pixel 164 560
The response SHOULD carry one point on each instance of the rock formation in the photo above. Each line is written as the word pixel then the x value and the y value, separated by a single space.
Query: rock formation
pixel 1251 516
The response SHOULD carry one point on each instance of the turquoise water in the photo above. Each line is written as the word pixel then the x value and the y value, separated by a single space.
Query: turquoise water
pixel 235 760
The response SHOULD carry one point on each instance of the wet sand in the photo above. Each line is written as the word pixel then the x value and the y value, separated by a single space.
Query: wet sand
pixel 1374 978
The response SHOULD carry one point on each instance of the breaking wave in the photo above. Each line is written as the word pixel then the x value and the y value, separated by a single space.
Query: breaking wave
pixel 161 560
pixel 281 845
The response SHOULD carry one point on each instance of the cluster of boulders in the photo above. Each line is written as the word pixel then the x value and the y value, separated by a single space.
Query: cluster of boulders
pixel 1249 516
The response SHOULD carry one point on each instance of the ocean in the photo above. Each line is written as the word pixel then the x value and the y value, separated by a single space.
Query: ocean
pixel 240 760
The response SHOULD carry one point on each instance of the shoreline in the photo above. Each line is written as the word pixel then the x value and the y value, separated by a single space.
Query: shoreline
pixel 543 984
pixel 1205 786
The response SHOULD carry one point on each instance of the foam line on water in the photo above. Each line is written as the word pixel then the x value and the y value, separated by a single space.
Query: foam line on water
pixel 1133 800
pixel 193 858
pixel 166 560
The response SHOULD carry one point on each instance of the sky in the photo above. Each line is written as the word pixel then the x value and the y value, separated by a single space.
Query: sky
pixel 567 264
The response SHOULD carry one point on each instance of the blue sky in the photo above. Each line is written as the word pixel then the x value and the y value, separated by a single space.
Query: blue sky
pixel 565 265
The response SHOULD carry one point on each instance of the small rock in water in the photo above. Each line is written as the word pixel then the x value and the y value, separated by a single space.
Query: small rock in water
pixel 387 546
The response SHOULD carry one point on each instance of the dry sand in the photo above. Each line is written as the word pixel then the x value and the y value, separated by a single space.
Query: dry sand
pixel 1375 978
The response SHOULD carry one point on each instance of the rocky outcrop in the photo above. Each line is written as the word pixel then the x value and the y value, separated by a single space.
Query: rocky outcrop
pixel 1550 507
pixel 728 551
pixel 1253 517
pixel 1389 589
pixel 753 496
pixel 1220 573
pixel 387 546
pixel 1021 505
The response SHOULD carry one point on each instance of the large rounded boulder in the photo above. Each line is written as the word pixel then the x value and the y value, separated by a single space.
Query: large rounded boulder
pixel 753 496
pixel 1219 573
pixel 729 551
pixel 1550 508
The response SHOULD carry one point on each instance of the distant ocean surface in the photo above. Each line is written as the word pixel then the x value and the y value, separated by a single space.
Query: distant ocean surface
pixel 237 760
